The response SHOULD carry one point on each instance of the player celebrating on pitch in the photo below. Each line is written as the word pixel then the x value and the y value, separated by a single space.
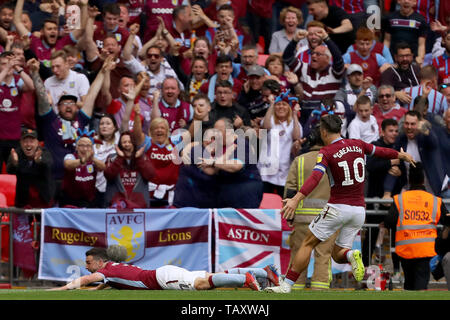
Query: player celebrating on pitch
pixel 105 267
pixel 343 160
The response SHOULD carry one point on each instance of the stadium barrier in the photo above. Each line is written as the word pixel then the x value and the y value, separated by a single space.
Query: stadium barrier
pixel 7 249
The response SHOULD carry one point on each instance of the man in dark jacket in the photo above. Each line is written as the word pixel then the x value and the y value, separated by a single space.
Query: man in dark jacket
pixel 251 97
pixel 32 166
pixel 423 144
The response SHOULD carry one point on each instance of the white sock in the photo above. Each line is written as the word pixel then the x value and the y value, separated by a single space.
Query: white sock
pixel 349 254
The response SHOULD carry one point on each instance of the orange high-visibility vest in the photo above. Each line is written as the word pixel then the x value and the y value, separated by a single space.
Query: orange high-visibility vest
pixel 418 215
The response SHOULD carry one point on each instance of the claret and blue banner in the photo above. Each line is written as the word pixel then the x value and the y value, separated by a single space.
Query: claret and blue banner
pixel 196 239
pixel 250 238
pixel 153 238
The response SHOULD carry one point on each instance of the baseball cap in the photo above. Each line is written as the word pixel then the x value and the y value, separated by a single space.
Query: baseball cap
pixel 28 133
pixel 354 68
pixel 255 70
pixel 67 97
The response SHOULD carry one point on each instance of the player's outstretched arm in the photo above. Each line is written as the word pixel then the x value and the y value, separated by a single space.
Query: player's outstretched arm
pixel 290 204
pixel 80 282
pixel 402 155
pixel 288 210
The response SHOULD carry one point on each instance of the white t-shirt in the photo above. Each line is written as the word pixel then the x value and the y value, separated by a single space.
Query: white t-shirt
pixel 365 131
pixel 275 156
pixel 76 84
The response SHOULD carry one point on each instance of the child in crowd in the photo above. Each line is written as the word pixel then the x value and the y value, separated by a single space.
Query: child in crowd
pixel 364 126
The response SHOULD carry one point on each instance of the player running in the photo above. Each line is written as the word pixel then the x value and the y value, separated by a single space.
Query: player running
pixel 105 267
pixel 343 161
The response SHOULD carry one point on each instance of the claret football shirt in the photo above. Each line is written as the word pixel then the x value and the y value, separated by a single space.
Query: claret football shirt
pixel 344 162
pixel 126 276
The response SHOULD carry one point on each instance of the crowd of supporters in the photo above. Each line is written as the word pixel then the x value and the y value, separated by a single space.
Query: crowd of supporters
pixel 161 103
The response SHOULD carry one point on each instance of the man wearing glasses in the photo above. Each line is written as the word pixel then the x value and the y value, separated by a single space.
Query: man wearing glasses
pixel 156 67
pixel 249 58
pixel 387 107
pixel 404 74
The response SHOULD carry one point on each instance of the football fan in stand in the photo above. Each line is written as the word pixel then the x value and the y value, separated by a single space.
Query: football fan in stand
pixel 106 267
pixel 344 161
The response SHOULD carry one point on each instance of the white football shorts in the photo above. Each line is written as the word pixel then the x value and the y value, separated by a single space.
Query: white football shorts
pixel 175 278
pixel 348 219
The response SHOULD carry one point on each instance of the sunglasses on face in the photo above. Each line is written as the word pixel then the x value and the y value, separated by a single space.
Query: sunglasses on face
pixel 151 55
pixel 385 95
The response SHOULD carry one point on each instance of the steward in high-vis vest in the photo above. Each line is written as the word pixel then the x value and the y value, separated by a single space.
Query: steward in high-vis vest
pixel 414 217
pixel 306 212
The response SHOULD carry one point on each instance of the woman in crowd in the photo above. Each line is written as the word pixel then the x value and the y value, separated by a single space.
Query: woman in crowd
pixel 290 19
pixel 202 48
pixel 197 78
pixel 161 149
pixel 275 65
pixel 283 129
pixel 107 139
pixel 127 173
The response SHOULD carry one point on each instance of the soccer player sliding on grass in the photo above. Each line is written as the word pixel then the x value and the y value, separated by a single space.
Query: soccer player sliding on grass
pixel 343 160
pixel 105 267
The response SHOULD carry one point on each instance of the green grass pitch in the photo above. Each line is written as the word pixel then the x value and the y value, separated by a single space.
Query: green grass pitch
pixel 230 295
pixel 223 304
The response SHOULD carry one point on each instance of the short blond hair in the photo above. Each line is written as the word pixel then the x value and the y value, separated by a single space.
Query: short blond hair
pixel 292 9
pixel 157 121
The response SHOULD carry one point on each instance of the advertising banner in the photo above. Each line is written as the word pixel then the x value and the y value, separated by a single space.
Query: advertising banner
pixel 153 238
pixel 250 238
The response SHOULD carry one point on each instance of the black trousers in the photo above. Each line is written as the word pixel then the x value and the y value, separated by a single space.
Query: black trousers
pixel 272 188
pixel 417 273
